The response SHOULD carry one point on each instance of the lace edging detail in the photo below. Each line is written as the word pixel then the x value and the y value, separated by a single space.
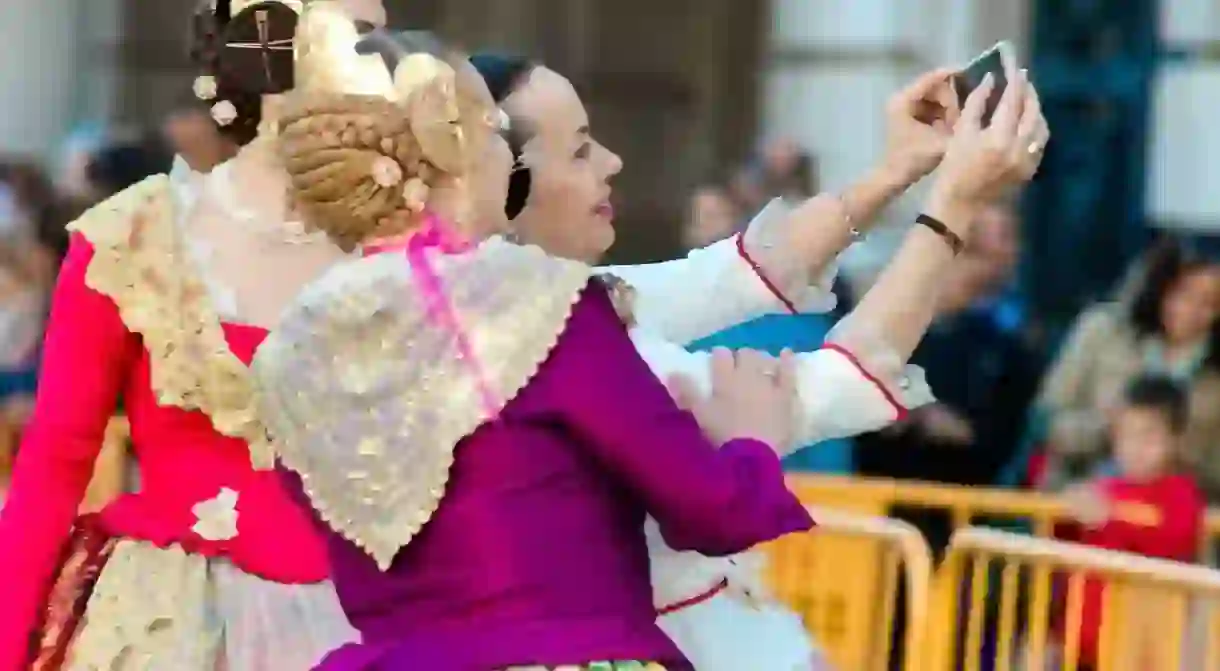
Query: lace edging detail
pixel 766 243
pixel 140 261
pixel 903 383
pixel 368 401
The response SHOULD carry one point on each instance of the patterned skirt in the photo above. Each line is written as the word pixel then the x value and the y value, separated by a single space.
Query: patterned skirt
pixel 155 609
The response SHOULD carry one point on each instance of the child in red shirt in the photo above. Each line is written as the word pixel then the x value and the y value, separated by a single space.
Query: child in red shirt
pixel 1145 434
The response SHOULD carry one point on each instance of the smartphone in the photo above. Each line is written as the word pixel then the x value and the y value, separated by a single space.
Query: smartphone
pixel 997 61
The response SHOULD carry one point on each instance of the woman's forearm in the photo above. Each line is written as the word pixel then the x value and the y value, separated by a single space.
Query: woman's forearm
pixel 899 307
pixel 825 225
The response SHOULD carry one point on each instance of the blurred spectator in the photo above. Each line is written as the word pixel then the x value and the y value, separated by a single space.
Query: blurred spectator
pixel 1166 322
pixel 748 191
pixel 29 195
pixel 27 206
pixel 73 180
pixel 51 231
pixel 984 376
pixel 711 217
pixel 781 169
pixel 191 133
pixel 788 170
pixel 118 166
pixel 1146 433
pixel 996 239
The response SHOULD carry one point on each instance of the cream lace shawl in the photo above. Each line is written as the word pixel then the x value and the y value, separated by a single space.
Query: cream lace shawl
pixel 367 395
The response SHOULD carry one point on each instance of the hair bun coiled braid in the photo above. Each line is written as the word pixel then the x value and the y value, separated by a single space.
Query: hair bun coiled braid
pixel 332 146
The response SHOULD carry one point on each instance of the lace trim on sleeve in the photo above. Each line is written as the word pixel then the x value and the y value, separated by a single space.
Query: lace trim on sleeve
pixel 767 247
pixel 903 384
pixel 141 262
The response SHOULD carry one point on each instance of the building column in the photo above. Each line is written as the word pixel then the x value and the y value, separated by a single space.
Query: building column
pixel 1185 138
pixel 39 76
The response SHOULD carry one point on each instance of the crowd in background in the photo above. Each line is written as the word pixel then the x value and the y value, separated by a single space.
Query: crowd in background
pixel 37 202
pixel 1013 410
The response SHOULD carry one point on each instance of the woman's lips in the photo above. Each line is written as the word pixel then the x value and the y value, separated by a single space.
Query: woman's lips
pixel 604 210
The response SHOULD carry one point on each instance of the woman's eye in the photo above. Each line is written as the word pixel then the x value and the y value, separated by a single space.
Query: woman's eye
pixel 584 151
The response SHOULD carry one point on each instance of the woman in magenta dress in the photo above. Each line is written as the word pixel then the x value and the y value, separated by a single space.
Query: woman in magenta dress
pixel 471 419
pixel 211 564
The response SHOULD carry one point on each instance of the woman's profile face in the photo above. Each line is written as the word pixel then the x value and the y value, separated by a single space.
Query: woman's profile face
pixel 568 212
pixel 1191 305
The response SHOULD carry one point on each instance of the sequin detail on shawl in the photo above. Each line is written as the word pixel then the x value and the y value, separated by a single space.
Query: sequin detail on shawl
pixel 367 398
pixel 141 262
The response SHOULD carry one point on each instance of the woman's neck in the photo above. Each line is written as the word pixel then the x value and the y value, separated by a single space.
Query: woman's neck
pixel 273 109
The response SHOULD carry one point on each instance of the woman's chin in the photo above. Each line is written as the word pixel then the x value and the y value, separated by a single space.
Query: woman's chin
pixel 602 238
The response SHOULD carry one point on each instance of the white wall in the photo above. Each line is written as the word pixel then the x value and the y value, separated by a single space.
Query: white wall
pixel 1184 180
pixel 56 69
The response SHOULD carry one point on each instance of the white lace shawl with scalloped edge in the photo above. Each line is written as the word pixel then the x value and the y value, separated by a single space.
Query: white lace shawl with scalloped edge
pixel 367 395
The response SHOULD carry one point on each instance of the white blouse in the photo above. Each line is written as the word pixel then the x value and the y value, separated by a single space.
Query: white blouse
pixel 190 188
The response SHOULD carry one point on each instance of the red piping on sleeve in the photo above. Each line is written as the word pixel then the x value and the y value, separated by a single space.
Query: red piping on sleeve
pixel 901 410
pixel 779 295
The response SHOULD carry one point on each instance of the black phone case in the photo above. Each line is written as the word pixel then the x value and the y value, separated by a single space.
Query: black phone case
pixel 969 79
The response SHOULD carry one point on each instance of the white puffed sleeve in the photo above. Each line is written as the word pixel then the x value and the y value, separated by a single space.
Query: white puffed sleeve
pixel 727 283
pixel 844 389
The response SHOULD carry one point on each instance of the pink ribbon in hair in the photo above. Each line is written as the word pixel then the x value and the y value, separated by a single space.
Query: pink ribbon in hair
pixel 436 236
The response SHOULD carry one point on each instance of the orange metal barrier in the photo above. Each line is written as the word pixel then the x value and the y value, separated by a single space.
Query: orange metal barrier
pixel 841 582
pixel 1155 615
pixel 110 470
pixel 862 557
pixel 875 496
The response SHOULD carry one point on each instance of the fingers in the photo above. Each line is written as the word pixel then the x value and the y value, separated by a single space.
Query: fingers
pixel 754 362
pixel 786 378
pixel 723 366
pixel 1031 115
pixel 924 87
pixel 1032 135
pixel 779 372
pixel 971 118
pixel 1012 104
pixel 683 391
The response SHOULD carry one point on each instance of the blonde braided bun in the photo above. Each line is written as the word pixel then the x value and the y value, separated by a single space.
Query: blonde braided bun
pixel 333 146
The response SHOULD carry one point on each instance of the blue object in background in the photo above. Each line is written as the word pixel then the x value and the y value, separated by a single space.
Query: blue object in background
pixel 1095 64
pixel 799 333
pixel 18 382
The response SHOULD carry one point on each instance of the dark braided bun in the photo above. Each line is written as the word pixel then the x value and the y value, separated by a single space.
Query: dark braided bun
pixel 247 56
pixel 503 76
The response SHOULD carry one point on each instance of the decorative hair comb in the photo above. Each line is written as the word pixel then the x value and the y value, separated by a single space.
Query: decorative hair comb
pixel 259 45
pixel 257 51
pixel 239 6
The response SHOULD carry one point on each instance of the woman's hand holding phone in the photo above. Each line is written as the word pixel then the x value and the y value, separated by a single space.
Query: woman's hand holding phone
pixel 919 123
pixel 983 161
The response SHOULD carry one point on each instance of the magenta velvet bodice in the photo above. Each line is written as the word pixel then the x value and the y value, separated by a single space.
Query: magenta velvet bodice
pixel 537 553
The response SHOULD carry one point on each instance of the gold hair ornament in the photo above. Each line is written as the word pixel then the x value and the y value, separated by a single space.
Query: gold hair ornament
pixel 328 63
